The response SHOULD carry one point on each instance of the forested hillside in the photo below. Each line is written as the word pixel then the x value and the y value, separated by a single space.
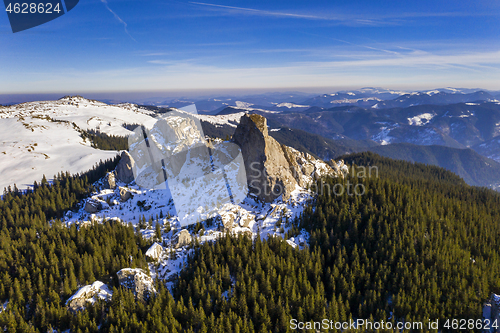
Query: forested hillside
pixel 418 244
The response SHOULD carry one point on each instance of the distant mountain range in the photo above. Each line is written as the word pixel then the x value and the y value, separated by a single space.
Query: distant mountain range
pixel 475 169
pixel 458 129
pixel 365 97
pixel 461 125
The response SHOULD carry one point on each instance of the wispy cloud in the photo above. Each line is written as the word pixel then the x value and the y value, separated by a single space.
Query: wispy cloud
pixel 371 19
pixel 259 11
pixel 105 2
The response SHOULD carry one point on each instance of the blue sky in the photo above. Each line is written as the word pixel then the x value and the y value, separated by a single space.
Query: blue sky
pixel 149 45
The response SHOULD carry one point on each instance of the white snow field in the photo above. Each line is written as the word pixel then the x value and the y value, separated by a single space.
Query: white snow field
pixel 42 138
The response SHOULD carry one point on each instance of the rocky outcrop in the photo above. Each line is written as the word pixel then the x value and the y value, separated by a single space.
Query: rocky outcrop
pixel 125 194
pixel 110 181
pixel 233 215
pixel 267 171
pixel 155 251
pixel 228 219
pixel 89 294
pixel 182 238
pixel 339 166
pixel 200 176
pixel 305 168
pixel 245 220
pixel 138 281
pixel 93 206
pixel 124 169
pixel 272 169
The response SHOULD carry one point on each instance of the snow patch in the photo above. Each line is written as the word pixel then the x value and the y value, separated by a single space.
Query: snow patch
pixel 241 104
pixel 421 119
pixel 232 119
pixel 291 105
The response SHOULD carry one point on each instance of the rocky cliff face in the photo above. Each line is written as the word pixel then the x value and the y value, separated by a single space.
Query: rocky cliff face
pixel 155 251
pixel 267 170
pixel 272 169
pixel 182 238
pixel 124 169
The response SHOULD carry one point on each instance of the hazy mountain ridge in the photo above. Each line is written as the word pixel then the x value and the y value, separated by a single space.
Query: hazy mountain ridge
pixel 474 168
pixel 438 98
pixel 459 125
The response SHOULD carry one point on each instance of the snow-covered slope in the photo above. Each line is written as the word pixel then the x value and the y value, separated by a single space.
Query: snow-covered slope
pixel 248 217
pixel 231 119
pixel 40 138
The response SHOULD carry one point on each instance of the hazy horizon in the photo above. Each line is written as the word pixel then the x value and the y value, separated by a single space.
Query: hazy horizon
pixel 131 96
pixel 116 45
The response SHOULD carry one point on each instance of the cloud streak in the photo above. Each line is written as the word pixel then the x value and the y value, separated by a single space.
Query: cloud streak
pixel 105 2
pixel 349 19
pixel 259 11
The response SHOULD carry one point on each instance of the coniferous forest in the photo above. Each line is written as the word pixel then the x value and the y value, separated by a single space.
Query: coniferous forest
pixel 103 141
pixel 419 244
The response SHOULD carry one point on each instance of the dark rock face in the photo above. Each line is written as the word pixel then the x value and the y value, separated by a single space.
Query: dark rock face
pixel 267 169
pixel 124 169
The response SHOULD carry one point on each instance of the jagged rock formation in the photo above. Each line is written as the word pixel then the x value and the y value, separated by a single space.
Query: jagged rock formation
pixel 272 169
pixel 93 206
pixel 268 174
pixel 182 238
pixel 124 169
pixel 245 219
pixel 200 176
pixel 89 294
pixel 305 168
pixel 228 220
pixel 136 279
pixel 233 215
pixel 155 251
